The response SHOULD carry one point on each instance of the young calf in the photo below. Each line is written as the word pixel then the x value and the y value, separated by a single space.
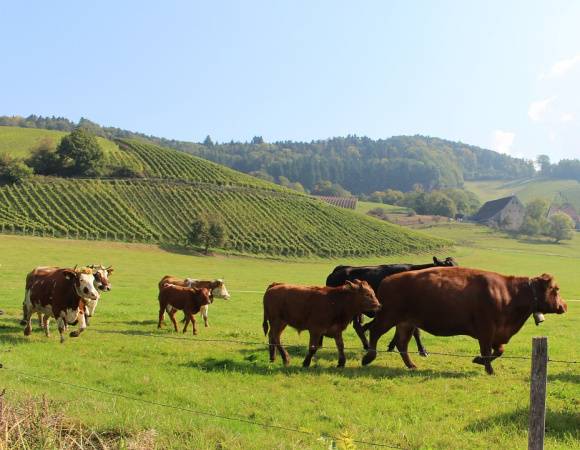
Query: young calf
pixel 188 300
pixel 323 311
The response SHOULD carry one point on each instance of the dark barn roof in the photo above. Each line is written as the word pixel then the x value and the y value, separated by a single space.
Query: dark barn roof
pixel 491 208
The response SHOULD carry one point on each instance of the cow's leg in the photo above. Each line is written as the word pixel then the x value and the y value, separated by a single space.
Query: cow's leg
pixel 393 342
pixel 161 314
pixel 485 358
pixel 422 350
pixel 312 347
pixel 189 317
pixel 276 329
pixel 27 315
pixel 46 324
pixel 172 317
pixel 357 324
pixel 340 348
pixel 377 328
pixel 204 310
pixel 39 315
pixel 61 328
pixel 498 350
pixel 82 326
pixel 272 345
pixel 404 333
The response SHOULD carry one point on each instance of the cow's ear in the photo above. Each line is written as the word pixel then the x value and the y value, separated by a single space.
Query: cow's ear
pixel 349 284
pixel 69 274
pixel 109 270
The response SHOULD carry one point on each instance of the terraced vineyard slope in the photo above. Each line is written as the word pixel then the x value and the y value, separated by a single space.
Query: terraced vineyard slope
pixel 259 217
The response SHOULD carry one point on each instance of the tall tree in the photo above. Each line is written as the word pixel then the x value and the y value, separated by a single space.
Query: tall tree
pixel 80 153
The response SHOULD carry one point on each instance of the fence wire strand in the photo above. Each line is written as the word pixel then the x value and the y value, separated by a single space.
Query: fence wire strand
pixel 197 412
pixel 357 349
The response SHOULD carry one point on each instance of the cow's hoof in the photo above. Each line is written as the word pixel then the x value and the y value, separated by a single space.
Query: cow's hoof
pixel 478 360
pixel 369 357
pixel 286 363
pixel 423 353
pixel 489 370
pixel 23 323
pixel 74 334
pixel 390 349
pixel 341 365
pixel 27 331
pixel 413 367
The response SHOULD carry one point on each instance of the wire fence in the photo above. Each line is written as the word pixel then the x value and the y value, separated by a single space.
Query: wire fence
pixel 299 346
pixel 85 388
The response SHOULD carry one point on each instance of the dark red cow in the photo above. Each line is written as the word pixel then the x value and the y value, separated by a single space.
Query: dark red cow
pixel 458 301
pixel 323 311
pixel 189 300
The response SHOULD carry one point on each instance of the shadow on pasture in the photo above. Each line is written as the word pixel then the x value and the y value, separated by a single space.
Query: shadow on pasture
pixel 182 250
pixel 140 322
pixel 261 367
pixel 11 332
pixel 568 377
pixel 559 424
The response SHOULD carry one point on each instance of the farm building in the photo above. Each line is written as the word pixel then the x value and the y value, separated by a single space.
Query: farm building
pixel 568 209
pixel 341 202
pixel 506 213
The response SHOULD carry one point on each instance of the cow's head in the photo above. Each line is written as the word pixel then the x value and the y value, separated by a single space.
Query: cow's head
pixel 203 294
pixel 364 294
pixel 548 295
pixel 102 274
pixel 84 281
pixel 447 262
pixel 219 289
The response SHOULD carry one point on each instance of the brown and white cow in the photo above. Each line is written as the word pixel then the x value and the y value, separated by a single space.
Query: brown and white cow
pixel 323 311
pixel 187 299
pixel 58 294
pixel 87 307
pixel 458 301
pixel 216 287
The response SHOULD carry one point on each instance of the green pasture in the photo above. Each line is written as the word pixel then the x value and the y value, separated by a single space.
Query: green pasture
pixel 447 403
pixel 18 142
pixel 365 207
pixel 526 189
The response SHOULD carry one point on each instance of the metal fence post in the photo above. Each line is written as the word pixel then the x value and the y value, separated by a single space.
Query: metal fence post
pixel 538 382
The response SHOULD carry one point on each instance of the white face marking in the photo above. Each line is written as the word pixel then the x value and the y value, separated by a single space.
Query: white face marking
pixel 221 291
pixel 86 288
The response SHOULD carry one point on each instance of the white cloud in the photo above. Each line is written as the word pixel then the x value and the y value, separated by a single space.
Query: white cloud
pixel 561 67
pixel 567 117
pixel 502 141
pixel 539 108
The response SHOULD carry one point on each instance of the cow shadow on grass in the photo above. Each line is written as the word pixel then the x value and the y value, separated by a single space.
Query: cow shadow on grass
pixel 11 333
pixel 568 377
pixel 264 368
pixel 559 424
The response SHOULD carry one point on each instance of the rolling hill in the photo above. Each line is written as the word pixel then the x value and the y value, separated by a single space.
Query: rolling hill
pixel 259 217
pixel 528 189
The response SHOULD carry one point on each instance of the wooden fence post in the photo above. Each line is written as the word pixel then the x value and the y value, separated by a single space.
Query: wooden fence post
pixel 538 382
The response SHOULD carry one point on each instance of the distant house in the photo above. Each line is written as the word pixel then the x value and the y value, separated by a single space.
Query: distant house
pixel 568 209
pixel 506 213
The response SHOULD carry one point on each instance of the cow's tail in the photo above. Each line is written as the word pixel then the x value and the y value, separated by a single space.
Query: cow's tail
pixel 265 325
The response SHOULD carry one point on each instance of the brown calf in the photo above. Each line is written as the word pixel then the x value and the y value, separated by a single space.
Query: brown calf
pixel 323 311
pixel 188 300
pixel 458 301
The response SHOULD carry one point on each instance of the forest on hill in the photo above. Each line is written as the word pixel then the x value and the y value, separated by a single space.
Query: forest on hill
pixel 358 164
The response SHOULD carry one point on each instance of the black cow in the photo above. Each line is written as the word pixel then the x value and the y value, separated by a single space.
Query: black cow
pixel 373 275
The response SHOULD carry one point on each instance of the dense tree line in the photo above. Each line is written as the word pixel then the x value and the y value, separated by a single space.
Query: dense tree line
pixel 565 169
pixel 444 202
pixel 357 164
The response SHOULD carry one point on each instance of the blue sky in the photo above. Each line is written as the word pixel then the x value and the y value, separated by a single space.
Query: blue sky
pixel 499 74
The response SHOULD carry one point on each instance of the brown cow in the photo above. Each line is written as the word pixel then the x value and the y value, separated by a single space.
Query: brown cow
pixel 458 301
pixel 58 294
pixel 323 311
pixel 188 300
pixel 217 289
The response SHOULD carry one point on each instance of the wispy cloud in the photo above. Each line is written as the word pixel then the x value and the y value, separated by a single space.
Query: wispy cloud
pixel 502 141
pixel 538 109
pixel 561 67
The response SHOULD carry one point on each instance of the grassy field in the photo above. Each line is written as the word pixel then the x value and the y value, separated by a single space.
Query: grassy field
pixel 18 142
pixel 526 189
pixel 447 403
pixel 365 207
